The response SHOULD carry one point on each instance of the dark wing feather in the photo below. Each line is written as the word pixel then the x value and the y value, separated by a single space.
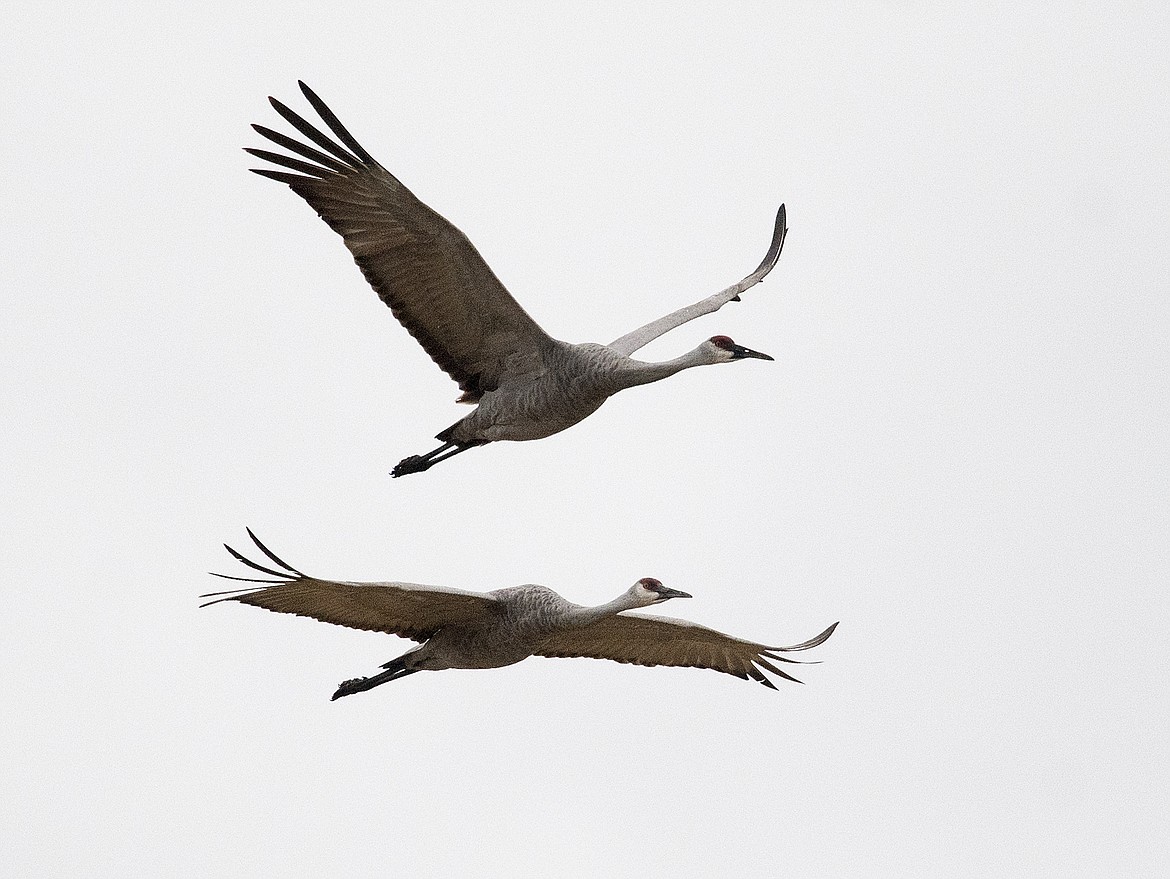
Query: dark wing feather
pixel 653 640
pixel 405 609
pixel 426 270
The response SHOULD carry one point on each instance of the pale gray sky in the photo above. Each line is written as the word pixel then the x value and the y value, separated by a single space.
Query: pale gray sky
pixel 960 451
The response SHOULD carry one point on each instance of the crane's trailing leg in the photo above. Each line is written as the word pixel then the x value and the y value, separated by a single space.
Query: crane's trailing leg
pixel 395 669
pixel 419 463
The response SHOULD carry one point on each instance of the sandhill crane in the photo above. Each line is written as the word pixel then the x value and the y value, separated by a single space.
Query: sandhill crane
pixel 460 629
pixel 528 385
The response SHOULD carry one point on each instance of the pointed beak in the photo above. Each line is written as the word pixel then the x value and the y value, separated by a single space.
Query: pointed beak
pixel 738 352
pixel 673 593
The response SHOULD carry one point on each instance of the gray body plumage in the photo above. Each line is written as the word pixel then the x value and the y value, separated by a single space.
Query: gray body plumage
pixel 528 385
pixel 523 618
pixel 476 630
pixel 572 384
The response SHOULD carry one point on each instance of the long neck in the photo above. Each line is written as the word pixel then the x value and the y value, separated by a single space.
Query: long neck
pixel 583 616
pixel 638 372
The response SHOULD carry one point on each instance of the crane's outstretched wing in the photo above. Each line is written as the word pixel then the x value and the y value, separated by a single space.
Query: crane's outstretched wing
pixel 426 270
pixel 631 342
pixel 405 609
pixel 653 640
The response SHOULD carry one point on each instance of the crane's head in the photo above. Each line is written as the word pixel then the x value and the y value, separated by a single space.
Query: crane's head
pixel 727 350
pixel 650 591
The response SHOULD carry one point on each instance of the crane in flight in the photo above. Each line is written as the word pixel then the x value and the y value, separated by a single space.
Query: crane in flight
pixel 527 384
pixel 460 629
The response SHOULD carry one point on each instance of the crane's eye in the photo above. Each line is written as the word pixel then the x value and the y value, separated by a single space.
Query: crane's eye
pixel 651 584
pixel 722 341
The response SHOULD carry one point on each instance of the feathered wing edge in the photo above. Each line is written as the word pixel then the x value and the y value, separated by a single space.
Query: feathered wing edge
pixel 772 653
pixel 426 270
pixel 327 164
pixel 409 610
pixel 733 656
pixel 288 575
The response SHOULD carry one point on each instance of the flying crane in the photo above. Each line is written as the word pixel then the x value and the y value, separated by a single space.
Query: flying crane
pixel 461 629
pixel 527 384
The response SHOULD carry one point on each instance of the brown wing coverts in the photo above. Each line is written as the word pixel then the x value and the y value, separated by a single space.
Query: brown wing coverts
pixel 647 640
pixel 404 609
pixel 425 269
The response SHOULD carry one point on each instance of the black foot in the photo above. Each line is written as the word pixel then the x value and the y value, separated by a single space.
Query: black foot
pixel 348 688
pixel 413 464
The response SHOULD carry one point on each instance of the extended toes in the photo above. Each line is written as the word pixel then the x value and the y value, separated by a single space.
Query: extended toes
pixel 413 464
pixel 353 685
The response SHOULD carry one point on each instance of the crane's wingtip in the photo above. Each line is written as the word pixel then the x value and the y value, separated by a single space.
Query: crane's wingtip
pixel 240 557
pixel 224 596
pixel 782 223
pixel 824 636
pixel 806 645
pixel 264 549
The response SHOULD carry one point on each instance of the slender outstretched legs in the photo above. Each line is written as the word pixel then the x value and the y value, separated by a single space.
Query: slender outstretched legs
pixel 419 463
pixel 395 669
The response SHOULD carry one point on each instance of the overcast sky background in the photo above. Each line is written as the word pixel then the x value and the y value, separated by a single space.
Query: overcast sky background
pixel 959 453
